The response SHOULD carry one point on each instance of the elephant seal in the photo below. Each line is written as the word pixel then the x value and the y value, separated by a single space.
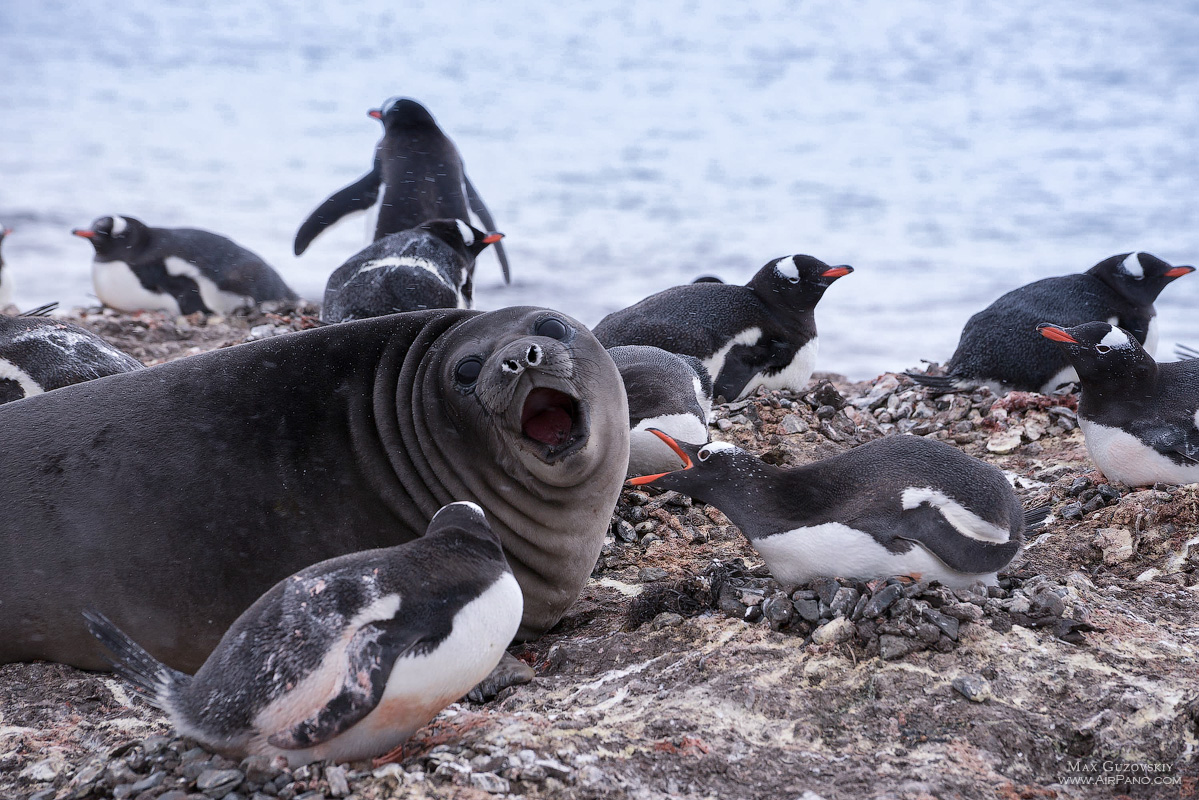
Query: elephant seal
pixel 172 497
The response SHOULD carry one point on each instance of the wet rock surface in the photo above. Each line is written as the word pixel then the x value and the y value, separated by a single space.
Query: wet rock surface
pixel 685 670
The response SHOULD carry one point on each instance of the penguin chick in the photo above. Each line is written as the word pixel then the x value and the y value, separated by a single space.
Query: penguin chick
pixel 760 334
pixel 1000 347
pixel 669 392
pixel 429 266
pixel 346 659
pixel 1140 418
pixel 894 506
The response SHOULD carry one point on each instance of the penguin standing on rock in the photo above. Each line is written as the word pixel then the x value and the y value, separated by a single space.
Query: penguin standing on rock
pixel 900 505
pixel 346 659
pixel 760 334
pixel 429 266
pixel 1000 345
pixel 417 175
pixel 5 279
pixel 1140 418
pixel 668 392
pixel 180 270
pixel 39 353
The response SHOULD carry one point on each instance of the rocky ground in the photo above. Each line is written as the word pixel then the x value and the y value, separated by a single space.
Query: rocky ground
pixel 685 671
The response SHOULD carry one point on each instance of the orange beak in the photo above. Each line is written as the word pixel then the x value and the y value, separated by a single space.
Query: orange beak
pixel 1055 333
pixel 492 238
pixel 375 113
pixel 86 234
pixel 1178 272
pixel 836 272
pixel 673 445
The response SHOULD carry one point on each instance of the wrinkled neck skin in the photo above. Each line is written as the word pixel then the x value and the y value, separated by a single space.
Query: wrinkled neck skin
pixel 550 518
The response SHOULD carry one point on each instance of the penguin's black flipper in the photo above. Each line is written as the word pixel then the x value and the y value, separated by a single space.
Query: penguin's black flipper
pixel 1175 442
pixel 371 653
pixel 1034 518
pixel 358 196
pixel 941 383
pixel 477 206
pixel 1184 352
pixel 926 526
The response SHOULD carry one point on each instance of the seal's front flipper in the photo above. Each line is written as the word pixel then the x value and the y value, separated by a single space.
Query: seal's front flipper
pixel 358 196
pixel 477 206
pixel 509 672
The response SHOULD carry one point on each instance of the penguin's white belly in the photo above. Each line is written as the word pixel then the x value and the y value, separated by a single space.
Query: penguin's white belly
pixel 794 376
pixel 1123 457
pixel 419 686
pixel 715 362
pixel 118 287
pixel 649 455
pixel 1060 378
pixel 836 550
pixel 215 298
pixel 1152 336
pixel 10 371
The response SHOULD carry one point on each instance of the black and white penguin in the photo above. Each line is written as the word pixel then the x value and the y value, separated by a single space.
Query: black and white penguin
pixel 5 278
pixel 900 505
pixel 348 658
pixel 760 334
pixel 181 270
pixel 669 392
pixel 1140 418
pixel 429 266
pixel 1000 346
pixel 39 353
pixel 417 175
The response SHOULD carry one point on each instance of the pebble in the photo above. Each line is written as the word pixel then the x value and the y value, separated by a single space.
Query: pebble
pixel 836 631
pixel 489 782
pixel 1116 544
pixel 1072 511
pixel 973 687
pixel 667 619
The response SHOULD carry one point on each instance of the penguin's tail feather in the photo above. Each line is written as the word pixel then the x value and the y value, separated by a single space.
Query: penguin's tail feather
pixel 44 311
pixel 942 383
pixel 131 661
pixel 1034 518
pixel 1185 352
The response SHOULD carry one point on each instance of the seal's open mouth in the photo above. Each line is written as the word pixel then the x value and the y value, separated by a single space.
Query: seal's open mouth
pixel 549 417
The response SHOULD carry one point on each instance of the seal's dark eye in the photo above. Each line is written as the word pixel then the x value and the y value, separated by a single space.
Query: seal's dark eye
pixel 468 371
pixel 551 327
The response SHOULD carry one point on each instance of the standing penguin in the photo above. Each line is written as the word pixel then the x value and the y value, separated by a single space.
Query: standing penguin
pixel 39 353
pixel 346 659
pixel 181 270
pixel 417 175
pixel 763 333
pixel 429 266
pixel 1140 418
pixel 1000 345
pixel 894 506
pixel 668 392
pixel 5 278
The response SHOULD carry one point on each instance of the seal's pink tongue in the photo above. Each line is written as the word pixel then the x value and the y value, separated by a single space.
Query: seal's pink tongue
pixel 547 416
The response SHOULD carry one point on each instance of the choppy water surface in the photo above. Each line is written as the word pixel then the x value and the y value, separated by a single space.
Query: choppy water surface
pixel 948 151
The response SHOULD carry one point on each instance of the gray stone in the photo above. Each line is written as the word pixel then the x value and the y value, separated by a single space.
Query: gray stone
pixel 793 423
pixel 667 619
pixel 882 600
pixel 843 602
pixel 779 610
pixel 219 782
pixel 723 425
pixel 650 574
pixel 151 781
pixel 973 687
pixel 892 647
pixel 45 770
pixel 808 610
pixel 966 612
pixel 489 782
pixel 1072 511
pixel 623 531
pixel 553 768
pixel 946 624
pixel 836 631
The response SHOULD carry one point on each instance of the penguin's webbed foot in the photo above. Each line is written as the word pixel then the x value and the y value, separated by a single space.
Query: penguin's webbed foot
pixel 509 672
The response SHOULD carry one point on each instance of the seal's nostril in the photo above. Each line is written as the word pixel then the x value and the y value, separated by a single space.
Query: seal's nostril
pixel 511 365
pixel 534 355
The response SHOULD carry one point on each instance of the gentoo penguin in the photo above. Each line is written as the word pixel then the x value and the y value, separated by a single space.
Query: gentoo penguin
pixel 894 506
pixel 346 659
pixel 1000 346
pixel 763 333
pixel 429 266
pixel 417 175
pixel 5 278
pixel 668 392
pixel 39 353
pixel 181 270
pixel 1140 418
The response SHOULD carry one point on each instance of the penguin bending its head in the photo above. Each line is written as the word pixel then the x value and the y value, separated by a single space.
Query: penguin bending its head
pixel 894 506
pixel 760 334
pixel 180 270
pixel 1140 418
pixel 346 659
pixel 1000 347
pixel 429 266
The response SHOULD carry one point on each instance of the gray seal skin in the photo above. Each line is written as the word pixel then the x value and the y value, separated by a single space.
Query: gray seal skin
pixel 172 497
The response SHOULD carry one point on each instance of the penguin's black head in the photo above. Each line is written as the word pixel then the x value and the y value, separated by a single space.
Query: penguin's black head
pixel 1100 352
pixel 1138 276
pixel 706 469
pixel 467 519
pixel 113 236
pixel 402 111
pixel 796 281
pixel 461 236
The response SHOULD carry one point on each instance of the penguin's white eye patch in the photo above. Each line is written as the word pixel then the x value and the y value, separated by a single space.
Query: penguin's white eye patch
pixel 1114 338
pixel 1132 266
pixel 118 226
pixel 786 267
pixel 468 236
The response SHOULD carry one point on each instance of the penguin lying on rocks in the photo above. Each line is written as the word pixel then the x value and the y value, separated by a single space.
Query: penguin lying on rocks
pixel 1140 418
pixel 1000 346
pixel 669 392
pixel 760 334
pixel 900 505
pixel 346 659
